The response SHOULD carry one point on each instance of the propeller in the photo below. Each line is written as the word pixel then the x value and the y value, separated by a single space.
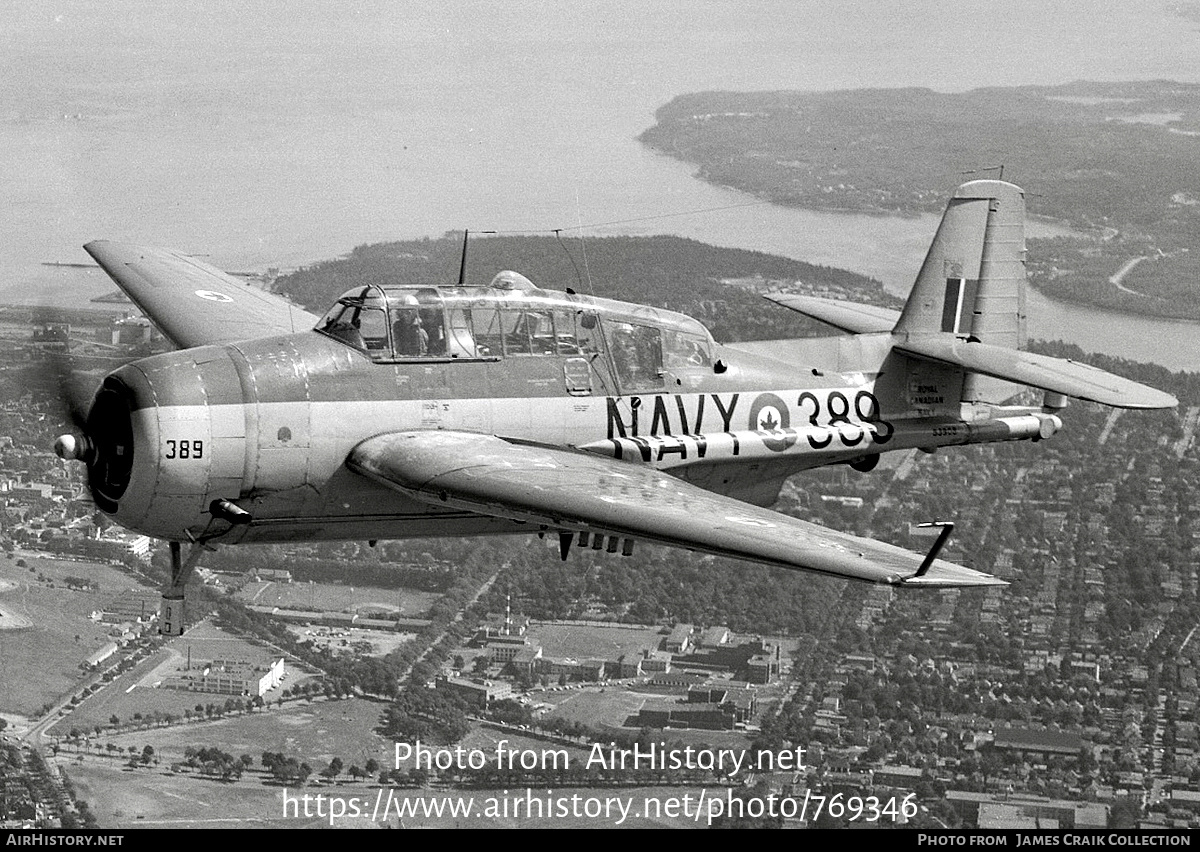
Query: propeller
pixel 101 433
pixel 71 369
pixel 72 401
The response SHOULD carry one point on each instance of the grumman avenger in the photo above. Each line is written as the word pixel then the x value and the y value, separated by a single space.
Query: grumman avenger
pixel 449 410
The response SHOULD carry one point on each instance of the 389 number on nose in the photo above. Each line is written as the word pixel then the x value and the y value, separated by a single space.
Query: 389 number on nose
pixel 185 450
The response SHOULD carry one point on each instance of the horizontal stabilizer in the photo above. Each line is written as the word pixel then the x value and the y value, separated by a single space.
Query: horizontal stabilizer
pixel 853 317
pixel 1057 375
pixel 566 491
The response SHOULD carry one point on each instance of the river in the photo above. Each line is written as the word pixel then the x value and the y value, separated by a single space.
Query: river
pixel 265 138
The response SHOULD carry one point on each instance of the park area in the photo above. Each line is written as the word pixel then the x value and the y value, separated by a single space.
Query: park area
pixel 46 625
pixel 141 697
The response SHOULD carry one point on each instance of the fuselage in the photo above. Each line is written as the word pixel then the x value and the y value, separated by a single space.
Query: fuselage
pixel 268 424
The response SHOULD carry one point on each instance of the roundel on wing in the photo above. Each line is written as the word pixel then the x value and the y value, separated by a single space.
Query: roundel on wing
pixel 769 413
pixel 213 296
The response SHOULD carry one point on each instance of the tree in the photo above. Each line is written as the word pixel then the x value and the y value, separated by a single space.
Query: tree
pixel 1125 813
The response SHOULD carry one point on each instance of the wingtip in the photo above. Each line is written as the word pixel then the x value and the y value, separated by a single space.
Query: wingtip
pixel 928 582
pixel 1147 399
pixel 100 244
pixel 102 250
pixel 945 575
pixel 1163 400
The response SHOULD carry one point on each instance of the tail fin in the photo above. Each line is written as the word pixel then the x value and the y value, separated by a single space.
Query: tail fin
pixel 972 283
pixel 963 326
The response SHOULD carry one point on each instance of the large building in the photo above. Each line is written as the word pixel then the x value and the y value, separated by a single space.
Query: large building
pixel 1040 744
pixel 138 545
pixel 96 658
pixel 230 677
pixel 986 810
pixel 680 639
pixel 129 606
pixel 480 695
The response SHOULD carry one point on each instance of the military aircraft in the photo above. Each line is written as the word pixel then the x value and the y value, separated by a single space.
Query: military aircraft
pixel 446 410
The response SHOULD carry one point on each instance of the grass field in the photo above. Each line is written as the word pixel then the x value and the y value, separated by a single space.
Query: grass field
pixel 315 732
pixel 586 642
pixel 153 798
pixel 342 640
pixel 409 603
pixel 611 707
pixel 40 663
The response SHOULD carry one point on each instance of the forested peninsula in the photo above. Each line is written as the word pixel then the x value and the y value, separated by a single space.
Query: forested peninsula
pixel 1119 163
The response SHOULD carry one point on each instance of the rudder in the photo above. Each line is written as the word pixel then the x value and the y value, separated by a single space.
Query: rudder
pixel 972 283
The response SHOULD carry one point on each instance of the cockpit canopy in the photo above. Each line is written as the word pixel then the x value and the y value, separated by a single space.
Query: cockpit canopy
pixel 512 318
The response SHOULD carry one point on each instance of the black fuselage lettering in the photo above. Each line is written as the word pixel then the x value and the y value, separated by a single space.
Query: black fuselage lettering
pixel 661 423
pixel 660 418
pixel 726 414
pixel 615 419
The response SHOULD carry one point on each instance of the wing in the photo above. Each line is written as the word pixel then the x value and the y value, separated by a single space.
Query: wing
pixel 853 317
pixel 191 302
pixel 1059 375
pixel 568 491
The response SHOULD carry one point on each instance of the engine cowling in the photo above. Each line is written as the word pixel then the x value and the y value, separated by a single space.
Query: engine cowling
pixel 164 437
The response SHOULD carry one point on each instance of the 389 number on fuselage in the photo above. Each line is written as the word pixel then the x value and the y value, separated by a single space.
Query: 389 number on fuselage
pixel 184 450
pixel 837 406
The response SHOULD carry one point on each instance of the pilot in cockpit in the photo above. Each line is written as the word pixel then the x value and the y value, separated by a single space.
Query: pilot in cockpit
pixel 625 355
pixel 408 332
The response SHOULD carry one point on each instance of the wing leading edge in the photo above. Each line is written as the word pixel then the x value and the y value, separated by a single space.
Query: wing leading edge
pixel 191 302
pixel 852 317
pixel 569 491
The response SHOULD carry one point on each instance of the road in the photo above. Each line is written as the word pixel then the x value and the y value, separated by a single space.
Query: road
pixel 458 617
pixel 1120 274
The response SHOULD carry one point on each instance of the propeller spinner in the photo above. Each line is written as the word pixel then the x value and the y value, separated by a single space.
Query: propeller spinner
pixel 104 441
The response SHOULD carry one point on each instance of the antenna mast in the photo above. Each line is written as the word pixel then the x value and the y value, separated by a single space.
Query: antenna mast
pixel 462 267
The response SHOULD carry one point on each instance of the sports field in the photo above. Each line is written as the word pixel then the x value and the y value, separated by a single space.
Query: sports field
pixel 409 603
